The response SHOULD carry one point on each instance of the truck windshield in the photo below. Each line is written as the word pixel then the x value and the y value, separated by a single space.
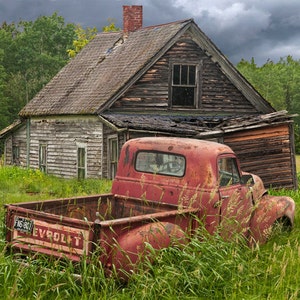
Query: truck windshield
pixel 160 163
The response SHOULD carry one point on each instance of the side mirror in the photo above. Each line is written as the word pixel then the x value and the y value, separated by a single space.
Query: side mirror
pixel 247 179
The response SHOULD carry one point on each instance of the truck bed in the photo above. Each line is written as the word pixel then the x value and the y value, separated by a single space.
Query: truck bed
pixel 74 227
pixel 90 208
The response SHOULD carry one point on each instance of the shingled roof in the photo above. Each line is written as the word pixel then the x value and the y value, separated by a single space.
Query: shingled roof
pixel 100 70
pixel 112 62
pixel 193 126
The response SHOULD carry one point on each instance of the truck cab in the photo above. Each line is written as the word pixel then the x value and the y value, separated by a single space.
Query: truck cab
pixel 204 175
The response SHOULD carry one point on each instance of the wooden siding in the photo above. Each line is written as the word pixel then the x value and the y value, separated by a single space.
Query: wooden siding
pixel 62 137
pixel 218 94
pixel 266 152
pixel 8 151
pixel 121 136
pixel 16 139
pixel 107 131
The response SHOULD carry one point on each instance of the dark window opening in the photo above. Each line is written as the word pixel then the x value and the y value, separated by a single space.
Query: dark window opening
pixel 16 155
pixel 183 85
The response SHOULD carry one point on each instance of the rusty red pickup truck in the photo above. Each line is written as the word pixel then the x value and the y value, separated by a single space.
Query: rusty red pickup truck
pixel 164 189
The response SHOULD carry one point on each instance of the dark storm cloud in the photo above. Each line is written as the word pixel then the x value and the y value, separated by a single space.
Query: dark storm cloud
pixel 267 29
pixel 264 30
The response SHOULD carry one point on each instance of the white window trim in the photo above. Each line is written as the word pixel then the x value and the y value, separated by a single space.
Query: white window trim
pixel 81 146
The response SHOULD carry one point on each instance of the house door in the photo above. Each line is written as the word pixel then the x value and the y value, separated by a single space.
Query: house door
pixel 113 155
pixel 235 200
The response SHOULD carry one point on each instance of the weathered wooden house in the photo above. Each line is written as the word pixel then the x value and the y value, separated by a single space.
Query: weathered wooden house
pixel 164 80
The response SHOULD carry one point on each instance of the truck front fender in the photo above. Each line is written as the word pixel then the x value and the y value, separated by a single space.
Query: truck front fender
pixel 267 211
pixel 131 248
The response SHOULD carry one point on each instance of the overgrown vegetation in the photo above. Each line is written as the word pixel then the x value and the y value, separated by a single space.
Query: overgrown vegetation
pixel 206 268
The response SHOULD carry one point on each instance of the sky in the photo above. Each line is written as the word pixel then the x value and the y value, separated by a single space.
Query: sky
pixel 241 29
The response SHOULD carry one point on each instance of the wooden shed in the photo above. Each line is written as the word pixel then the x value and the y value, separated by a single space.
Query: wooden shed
pixel 160 80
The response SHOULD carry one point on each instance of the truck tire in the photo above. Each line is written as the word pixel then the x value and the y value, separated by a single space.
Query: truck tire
pixel 132 247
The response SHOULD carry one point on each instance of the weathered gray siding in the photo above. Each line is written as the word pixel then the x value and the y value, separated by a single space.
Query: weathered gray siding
pixel 17 139
pixel 63 135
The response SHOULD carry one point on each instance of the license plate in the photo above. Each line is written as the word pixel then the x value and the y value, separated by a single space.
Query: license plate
pixel 23 225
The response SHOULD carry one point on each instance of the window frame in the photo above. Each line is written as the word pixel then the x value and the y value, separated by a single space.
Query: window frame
pixel 16 155
pixel 43 153
pixel 112 157
pixel 81 162
pixel 160 163
pixel 229 178
pixel 194 85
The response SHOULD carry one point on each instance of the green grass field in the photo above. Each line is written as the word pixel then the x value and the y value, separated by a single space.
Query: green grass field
pixel 206 268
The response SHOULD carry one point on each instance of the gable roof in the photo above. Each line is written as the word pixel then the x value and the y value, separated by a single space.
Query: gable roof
pixel 112 62
pixel 11 128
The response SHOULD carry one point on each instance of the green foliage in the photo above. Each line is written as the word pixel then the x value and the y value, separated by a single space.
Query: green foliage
pixel 297 138
pixel 84 36
pixel 18 185
pixel 278 83
pixel 31 53
pixel 111 27
pixel 206 268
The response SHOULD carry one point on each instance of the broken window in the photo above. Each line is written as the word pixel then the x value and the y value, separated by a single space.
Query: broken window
pixel 184 86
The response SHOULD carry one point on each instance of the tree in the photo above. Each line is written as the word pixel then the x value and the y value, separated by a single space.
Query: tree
pixel 4 119
pixel 111 27
pixel 84 36
pixel 278 83
pixel 32 53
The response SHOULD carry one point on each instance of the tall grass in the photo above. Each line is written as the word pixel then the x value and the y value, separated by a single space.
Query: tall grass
pixel 19 185
pixel 206 268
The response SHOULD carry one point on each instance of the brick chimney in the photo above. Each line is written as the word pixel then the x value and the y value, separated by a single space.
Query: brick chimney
pixel 132 18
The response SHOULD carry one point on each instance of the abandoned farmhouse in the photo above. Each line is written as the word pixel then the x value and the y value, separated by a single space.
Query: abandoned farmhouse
pixel 162 80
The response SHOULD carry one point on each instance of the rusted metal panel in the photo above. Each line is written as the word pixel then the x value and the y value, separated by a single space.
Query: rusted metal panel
pixel 72 227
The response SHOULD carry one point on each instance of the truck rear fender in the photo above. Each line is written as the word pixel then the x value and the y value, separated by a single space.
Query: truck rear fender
pixel 131 247
pixel 267 211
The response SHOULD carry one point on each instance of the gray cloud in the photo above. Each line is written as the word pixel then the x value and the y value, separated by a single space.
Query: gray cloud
pixel 267 29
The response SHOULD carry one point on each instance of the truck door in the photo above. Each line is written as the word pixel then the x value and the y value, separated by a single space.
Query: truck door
pixel 235 200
